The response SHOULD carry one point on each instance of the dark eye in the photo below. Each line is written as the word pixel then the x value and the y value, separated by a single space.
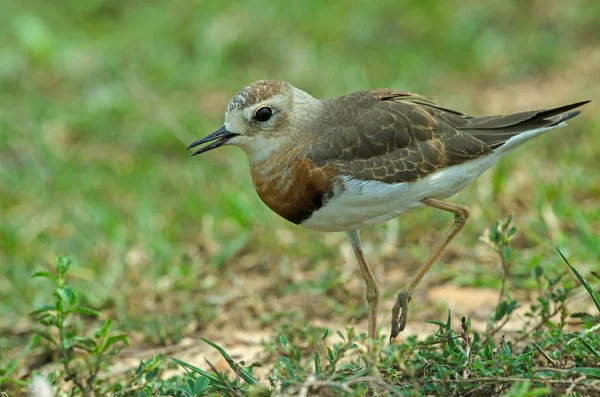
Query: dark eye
pixel 263 114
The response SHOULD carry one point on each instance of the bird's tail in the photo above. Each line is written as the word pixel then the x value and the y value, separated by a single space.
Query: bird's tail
pixel 514 129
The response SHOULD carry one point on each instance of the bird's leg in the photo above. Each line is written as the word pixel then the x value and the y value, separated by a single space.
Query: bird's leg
pixel 372 290
pixel 400 309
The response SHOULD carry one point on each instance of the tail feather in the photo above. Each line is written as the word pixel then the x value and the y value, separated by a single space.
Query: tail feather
pixel 561 118
pixel 497 130
pixel 557 113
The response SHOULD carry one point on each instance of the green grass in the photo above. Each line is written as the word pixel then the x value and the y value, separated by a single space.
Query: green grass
pixel 100 98
pixel 446 362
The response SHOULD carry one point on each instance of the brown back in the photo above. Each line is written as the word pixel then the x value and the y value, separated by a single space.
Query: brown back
pixel 395 136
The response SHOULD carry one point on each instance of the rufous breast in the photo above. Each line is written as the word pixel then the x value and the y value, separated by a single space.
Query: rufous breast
pixel 291 185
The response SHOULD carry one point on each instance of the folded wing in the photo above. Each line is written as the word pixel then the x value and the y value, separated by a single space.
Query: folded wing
pixel 395 136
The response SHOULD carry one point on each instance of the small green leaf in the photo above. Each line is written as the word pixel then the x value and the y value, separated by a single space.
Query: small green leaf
pixel 46 319
pixel 111 340
pixel 330 354
pixel 590 348
pixel 545 305
pixel 449 322
pixel 284 343
pixel 72 296
pixel 66 343
pixel 586 317
pixel 42 309
pixel 539 271
pixel 438 323
pixel 488 350
pixel 507 252
pixel 43 273
pixel 64 294
pixel 201 385
pixel 525 356
pixel 62 265
pixel 87 311
pixel 86 344
pixel 478 366
pixel 587 371
pixel 500 311
pixel 317 364
pixel 190 385
pixel 103 332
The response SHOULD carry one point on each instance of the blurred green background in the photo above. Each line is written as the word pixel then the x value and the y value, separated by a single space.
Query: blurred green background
pixel 98 100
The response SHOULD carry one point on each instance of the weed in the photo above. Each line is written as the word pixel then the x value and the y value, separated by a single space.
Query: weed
pixel 542 358
pixel 59 326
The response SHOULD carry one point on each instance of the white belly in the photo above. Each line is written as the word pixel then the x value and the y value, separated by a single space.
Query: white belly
pixel 365 203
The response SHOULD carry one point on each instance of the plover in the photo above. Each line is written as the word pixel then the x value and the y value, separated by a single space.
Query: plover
pixel 341 164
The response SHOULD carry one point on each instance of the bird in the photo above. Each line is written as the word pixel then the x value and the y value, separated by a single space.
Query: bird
pixel 361 159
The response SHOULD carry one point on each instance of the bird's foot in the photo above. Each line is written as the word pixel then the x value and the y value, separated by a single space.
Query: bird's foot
pixel 400 313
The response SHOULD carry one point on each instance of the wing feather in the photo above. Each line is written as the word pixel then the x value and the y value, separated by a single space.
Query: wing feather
pixel 396 136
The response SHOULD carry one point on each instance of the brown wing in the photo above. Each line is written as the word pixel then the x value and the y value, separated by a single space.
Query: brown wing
pixel 391 136
pixel 395 136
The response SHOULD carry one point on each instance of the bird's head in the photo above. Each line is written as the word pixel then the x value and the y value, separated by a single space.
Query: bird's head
pixel 261 117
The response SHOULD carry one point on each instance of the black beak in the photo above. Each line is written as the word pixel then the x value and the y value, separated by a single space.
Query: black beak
pixel 220 137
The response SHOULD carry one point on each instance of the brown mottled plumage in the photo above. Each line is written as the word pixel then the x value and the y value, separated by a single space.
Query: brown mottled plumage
pixel 394 136
pixel 360 159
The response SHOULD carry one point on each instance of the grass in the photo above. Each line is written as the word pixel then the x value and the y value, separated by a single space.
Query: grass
pixel 445 362
pixel 99 100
